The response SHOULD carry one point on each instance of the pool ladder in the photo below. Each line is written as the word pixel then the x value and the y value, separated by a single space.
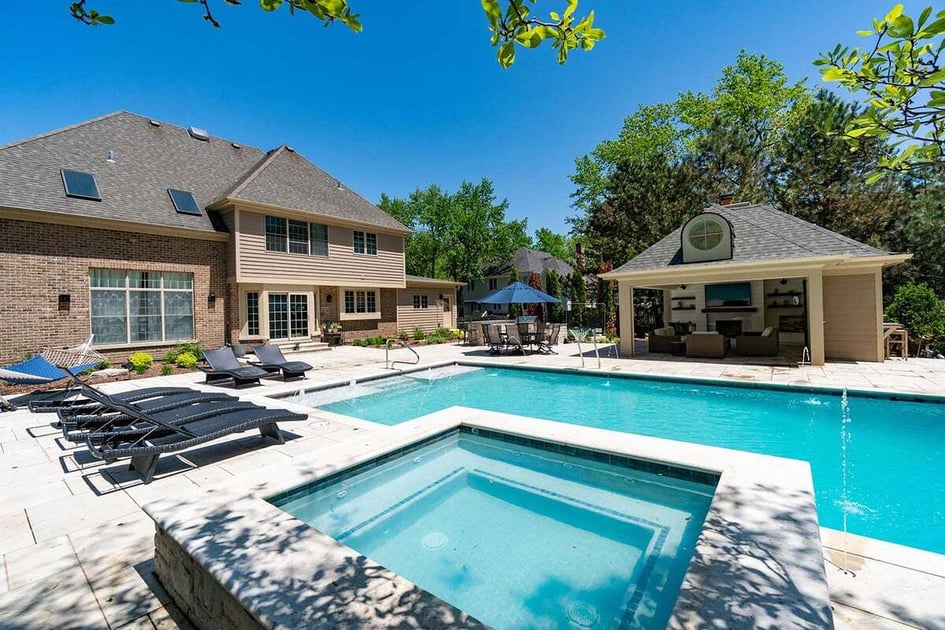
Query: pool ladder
pixel 390 364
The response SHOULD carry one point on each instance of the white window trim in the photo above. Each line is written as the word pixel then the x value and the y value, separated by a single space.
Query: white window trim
pixel 288 241
pixel 342 315
pixel 365 252
pixel 127 289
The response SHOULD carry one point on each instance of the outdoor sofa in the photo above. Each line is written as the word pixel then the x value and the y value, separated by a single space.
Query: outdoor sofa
pixel 757 344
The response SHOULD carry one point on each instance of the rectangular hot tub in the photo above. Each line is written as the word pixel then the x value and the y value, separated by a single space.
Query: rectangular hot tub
pixel 520 536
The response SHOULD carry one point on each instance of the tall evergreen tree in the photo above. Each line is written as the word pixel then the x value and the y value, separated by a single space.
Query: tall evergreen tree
pixel 578 296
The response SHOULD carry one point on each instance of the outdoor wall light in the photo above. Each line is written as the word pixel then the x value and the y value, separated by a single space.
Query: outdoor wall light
pixel 65 301
pixel 328 298
pixel 683 287
pixel 783 281
pixel 211 301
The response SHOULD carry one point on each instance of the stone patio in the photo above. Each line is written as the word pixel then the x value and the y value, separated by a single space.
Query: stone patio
pixel 78 550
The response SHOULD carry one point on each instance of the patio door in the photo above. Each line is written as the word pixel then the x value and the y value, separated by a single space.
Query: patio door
pixel 288 315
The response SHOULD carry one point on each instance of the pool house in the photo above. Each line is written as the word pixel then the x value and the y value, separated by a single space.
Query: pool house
pixel 751 276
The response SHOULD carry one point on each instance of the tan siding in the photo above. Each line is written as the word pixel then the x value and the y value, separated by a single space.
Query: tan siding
pixel 851 327
pixel 429 319
pixel 341 267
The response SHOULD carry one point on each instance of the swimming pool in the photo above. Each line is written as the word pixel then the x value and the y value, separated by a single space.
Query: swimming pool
pixel 519 536
pixel 878 465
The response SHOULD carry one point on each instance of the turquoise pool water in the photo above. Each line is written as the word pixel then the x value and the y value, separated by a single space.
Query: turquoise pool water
pixel 521 538
pixel 890 483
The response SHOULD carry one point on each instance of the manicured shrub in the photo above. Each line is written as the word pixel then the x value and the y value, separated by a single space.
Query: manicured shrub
pixel 193 348
pixel 436 338
pixel 140 362
pixel 419 334
pixel 403 335
pixel 920 311
pixel 166 369
pixel 186 360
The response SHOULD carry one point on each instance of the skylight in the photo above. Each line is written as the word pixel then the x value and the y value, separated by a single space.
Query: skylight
pixel 80 185
pixel 184 201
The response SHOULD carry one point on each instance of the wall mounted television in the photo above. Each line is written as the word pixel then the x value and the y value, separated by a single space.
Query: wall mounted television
pixel 731 294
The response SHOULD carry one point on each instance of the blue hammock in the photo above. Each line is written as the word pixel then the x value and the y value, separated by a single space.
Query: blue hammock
pixel 37 370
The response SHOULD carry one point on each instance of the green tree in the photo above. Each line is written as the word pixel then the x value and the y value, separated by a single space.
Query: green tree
pixel 815 176
pixel 553 288
pixel 578 297
pixel 900 78
pixel 455 234
pixel 727 133
pixel 534 281
pixel 558 245
pixel 920 311
pixel 646 200
pixel 512 22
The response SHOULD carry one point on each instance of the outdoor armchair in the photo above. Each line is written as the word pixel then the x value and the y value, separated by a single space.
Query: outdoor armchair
pixel 271 359
pixel 757 344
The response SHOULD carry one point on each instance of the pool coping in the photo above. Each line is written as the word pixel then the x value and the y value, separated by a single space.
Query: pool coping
pixel 878 392
pixel 758 561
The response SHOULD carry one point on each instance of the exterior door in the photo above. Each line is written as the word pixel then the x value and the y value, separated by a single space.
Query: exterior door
pixel 288 316
pixel 298 315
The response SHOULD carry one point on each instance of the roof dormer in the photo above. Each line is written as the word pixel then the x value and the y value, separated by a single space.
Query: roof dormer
pixel 706 237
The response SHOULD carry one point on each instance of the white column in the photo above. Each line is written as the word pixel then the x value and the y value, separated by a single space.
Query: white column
pixel 625 297
pixel 667 307
pixel 815 316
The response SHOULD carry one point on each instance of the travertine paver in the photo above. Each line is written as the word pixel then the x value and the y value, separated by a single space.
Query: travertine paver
pixel 88 565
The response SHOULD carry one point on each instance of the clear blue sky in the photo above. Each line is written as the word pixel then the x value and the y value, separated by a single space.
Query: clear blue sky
pixel 413 100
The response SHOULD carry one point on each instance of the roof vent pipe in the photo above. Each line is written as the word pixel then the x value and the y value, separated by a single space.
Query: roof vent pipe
pixel 111 157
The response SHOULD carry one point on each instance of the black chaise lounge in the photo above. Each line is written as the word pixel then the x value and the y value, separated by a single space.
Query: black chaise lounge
pixel 271 359
pixel 74 422
pixel 224 366
pixel 81 404
pixel 152 435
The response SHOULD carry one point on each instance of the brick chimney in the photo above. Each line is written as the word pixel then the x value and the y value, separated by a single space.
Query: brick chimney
pixel 726 199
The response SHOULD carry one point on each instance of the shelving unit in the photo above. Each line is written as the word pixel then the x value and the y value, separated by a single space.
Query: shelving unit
pixel 730 309
pixel 683 308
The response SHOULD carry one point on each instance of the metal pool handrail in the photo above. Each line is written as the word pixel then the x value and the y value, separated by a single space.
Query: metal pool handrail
pixel 387 361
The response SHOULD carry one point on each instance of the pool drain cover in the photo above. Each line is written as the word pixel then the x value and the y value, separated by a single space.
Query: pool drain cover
pixel 583 614
pixel 434 540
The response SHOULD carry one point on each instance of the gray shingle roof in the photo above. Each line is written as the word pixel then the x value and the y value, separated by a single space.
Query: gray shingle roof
pixel 527 261
pixel 760 233
pixel 288 180
pixel 150 159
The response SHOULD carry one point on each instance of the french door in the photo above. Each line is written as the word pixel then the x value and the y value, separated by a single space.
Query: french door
pixel 288 315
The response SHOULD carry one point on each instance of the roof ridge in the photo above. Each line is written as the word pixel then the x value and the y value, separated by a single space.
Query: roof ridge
pixel 252 174
pixel 47 134
pixel 764 228
pixel 836 235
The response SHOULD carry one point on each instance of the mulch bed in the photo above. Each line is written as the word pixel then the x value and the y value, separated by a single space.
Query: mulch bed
pixel 92 379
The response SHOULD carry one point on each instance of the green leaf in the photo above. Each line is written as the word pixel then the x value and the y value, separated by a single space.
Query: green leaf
pixel 270 5
pixel 865 33
pixel 833 74
pixel 493 12
pixel 105 19
pixel 894 13
pixel 507 54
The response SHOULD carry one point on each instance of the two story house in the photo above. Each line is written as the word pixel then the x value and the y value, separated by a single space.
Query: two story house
pixel 525 261
pixel 147 234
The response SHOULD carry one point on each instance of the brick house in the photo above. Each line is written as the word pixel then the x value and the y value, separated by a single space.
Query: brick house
pixel 149 234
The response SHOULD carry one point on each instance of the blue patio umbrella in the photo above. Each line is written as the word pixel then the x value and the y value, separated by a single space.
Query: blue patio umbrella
pixel 518 293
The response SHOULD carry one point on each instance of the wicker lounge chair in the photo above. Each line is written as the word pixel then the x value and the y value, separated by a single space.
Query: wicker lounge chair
pixel 153 435
pixel 224 366
pixel 123 429
pixel 81 404
pixel 271 359
pixel 98 415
